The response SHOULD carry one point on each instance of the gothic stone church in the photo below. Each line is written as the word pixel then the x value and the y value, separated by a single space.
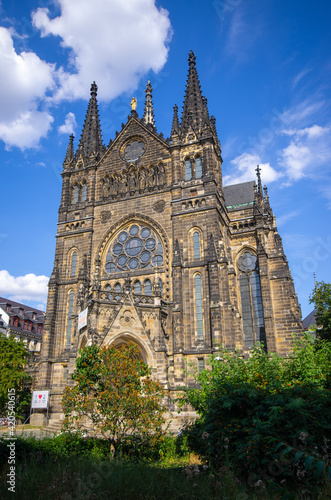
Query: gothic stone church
pixel 160 253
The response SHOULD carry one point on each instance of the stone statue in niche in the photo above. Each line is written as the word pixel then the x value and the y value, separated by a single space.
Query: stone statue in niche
pixel 106 188
pixel 132 180
pixel 142 180
pixel 122 183
pixel 161 175
pixel 151 179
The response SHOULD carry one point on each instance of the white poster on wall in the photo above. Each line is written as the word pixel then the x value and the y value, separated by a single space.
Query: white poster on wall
pixel 39 399
pixel 82 319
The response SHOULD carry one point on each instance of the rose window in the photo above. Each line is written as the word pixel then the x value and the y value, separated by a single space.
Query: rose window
pixel 136 247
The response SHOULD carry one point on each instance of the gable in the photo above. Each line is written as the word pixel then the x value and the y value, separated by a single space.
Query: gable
pixel 135 145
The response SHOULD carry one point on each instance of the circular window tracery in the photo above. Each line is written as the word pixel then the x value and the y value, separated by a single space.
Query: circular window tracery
pixel 247 262
pixel 136 247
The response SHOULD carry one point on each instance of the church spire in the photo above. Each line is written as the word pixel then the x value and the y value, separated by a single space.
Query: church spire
pixel 259 183
pixel 175 129
pixel 195 111
pixel 91 140
pixel 148 117
pixel 70 152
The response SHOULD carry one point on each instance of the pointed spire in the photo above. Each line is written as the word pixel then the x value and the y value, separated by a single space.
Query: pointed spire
pixel 258 196
pixel 259 183
pixel 195 111
pixel 70 151
pixel 91 139
pixel 175 129
pixel 266 201
pixel 148 117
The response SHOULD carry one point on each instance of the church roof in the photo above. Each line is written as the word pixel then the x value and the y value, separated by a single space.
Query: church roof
pixel 239 195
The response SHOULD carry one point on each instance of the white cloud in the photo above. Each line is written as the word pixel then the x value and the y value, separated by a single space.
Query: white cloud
pixel 243 170
pixel 309 148
pixel 283 219
pixel 25 80
pixel 29 287
pixel 69 124
pixel 110 41
pixel 27 130
pixel 302 114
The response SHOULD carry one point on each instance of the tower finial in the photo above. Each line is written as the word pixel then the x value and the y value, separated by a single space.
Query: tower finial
pixel 148 117
pixel 94 89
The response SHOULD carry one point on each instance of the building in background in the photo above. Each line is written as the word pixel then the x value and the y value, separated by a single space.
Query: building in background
pixel 23 322
pixel 156 251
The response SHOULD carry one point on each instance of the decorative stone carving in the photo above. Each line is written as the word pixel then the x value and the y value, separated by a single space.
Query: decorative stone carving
pixel 159 206
pixel 105 216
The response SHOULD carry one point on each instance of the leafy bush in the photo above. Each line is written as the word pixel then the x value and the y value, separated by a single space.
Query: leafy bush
pixel 247 407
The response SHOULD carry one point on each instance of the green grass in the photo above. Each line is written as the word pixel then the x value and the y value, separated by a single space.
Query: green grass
pixel 124 480
pixel 68 467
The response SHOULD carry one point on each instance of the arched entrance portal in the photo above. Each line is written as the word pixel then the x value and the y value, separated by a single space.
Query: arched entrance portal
pixel 125 338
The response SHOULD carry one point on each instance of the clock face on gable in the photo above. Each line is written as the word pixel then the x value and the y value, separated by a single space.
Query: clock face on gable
pixel 134 150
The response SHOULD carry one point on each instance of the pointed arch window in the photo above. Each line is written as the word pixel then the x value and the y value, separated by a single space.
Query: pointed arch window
pixel 198 168
pixel 137 288
pixel 84 192
pixel 251 300
pixel 118 289
pixel 73 265
pixel 70 319
pixel 188 169
pixel 148 287
pixel 108 292
pixel 196 245
pixel 75 194
pixel 198 306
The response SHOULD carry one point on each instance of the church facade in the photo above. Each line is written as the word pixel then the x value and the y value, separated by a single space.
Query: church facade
pixel 160 253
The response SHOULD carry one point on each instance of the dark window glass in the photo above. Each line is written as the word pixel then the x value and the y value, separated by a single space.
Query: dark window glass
pixel 198 306
pixel 73 264
pixel 196 245
pixel 188 170
pixel 134 230
pixel 135 247
pixel 145 232
pixel 76 194
pixel 251 300
pixel 148 287
pixel 70 319
pixel 198 168
pixel 84 192
pixel 137 287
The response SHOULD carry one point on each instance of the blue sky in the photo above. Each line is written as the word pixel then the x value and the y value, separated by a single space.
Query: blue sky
pixel 265 68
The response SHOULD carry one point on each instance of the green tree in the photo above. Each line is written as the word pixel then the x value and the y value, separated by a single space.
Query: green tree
pixel 321 298
pixel 114 396
pixel 13 360
pixel 245 406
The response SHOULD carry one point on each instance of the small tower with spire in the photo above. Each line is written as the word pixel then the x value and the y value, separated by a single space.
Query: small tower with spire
pixel 195 110
pixel 91 140
pixel 70 152
pixel 148 117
